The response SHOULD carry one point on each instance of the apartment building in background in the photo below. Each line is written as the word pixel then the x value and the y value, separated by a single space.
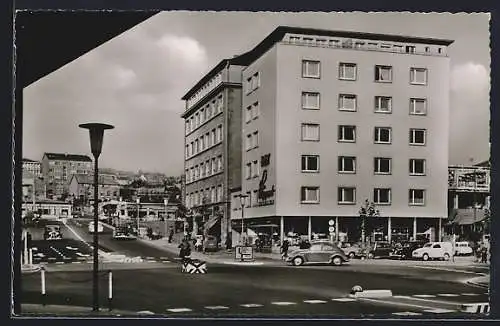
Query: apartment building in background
pixel 81 186
pixel 57 169
pixel 33 167
pixel 212 147
pixel 333 118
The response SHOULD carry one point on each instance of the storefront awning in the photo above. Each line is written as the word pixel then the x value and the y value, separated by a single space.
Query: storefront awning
pixel 467 216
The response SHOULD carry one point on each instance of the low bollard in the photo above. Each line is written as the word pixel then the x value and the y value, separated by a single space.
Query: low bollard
pixel 110 290
pixel 42 274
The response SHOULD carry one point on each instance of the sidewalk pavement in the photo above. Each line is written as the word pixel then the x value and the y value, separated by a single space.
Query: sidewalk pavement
pixel 224 256
pixel 30 309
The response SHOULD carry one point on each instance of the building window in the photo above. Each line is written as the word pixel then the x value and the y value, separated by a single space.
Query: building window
pixel 417 136
pixel 382 165
pixel 213 194
pixel 383 74
pixel 248 114
pixel 208 140
pixel 202 116
pixel 255 81
pixel 202 142
pixel 219 193
pixel 248 85
pixel 410 49
pixel 219 133
pixel 347 164
pixel 248 143
pixel 255 139
pixel 214 166
pixel 214 137
pixel 347 102
pixel 187 151
pixel 347 71
pixel 248 171
pixel 418 106
pixel 383 104
pixel 382 135
pixel 255 169
pixel 220 103
pixel 197 146
pixel 310 100
pixel 418 76
pixel 347 134
pixel 219 163
pixel 208 110
pixel 207 168
pixel 382 196
pixel 187 127
pixel 346 195
pixel 416 197
pixel 202 170
pixel 309 194
pixel 310 132
pixel 310 69
pixel 255 110
pixel 417 166
pixel 310 163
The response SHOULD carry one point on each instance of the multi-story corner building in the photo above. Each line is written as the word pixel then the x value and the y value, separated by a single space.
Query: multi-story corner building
pixel 33 167
pixel 212 146
pixel 333 118
pixel 57 169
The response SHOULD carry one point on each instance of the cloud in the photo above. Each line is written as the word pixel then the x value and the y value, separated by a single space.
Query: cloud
pixel 184 49
pixel 470 79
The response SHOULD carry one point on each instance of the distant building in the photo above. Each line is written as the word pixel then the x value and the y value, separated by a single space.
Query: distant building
pixel 58 168
pixel 33 167
pixel 48 209
pixel 81 186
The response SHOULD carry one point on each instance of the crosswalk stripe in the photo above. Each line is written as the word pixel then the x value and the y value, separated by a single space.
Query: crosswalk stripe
pixel 314 301
pixel 448 295
pixel 283 303
pixel 439 311
pixel 216 307
pixel 251 305
pixel 179 309
pixel 165 261
pixel 406 313
pixel 424 296
pixel 470 294
pixel 343 299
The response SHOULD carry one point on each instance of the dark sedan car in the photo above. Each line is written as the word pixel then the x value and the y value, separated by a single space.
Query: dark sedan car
pixel 318 252
pixel 211 243
pixel 405 250
pixel 52 232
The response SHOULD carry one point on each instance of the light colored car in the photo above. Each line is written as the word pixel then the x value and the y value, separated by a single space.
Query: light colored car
pixel 319 252
pixel 434 250
pixel 351 250
pixel 462 248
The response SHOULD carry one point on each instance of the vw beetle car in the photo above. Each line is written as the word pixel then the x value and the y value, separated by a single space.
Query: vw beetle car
pixel 319 252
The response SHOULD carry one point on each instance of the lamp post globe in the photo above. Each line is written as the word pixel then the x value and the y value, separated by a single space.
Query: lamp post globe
pixel 96 132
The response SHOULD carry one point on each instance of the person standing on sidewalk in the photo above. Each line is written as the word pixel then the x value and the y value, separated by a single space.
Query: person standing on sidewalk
pixel 284 249
pixel 170 235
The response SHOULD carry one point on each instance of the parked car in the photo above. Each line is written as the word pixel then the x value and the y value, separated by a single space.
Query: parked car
pixel 52 232
pixel 406 249
pixel 211 243
pixel 434 250
pixel 319 252
pixel 380 249
pixel 123 233
pixel 462 248
pixel 352 250
pixel 100 227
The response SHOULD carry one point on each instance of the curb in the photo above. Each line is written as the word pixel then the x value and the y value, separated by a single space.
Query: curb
pixel 372 294
pixel 475 308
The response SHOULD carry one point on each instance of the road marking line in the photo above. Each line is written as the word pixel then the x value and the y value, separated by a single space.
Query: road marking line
pixel 429 300
pixel 447 295
pixel 76 262
pixel 446 269
pixel 439 311
pixel 165 261
pixel 145 312
pixel 397 303
pixel 60 262
pixel 165 258
pixel 344 299
pixel 149 257
pixel 216 307
pixel 407 313
pixel 179 310
pixel 424 296
pixel 470 294
pixel 314 301
pixel 283 303
pixel 251 305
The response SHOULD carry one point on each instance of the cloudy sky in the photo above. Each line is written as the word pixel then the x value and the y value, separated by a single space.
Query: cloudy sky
pixel 136 80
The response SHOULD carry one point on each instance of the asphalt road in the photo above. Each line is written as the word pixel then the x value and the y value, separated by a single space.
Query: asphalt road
pixel 268 290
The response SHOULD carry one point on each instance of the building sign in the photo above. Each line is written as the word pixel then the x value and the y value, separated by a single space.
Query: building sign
pixel 265 195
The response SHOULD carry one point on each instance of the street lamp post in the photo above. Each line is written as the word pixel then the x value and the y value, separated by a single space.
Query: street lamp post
pixel 138 201
pixel 96 131
pixel 165 202
pixel 242 202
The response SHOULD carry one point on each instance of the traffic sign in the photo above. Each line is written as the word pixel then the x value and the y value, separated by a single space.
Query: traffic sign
pixel 331 229
pixel 331 222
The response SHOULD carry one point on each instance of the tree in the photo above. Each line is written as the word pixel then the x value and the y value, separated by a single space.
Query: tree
pixel 367 211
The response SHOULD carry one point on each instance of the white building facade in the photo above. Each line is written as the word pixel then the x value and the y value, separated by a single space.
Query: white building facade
pixel 331 119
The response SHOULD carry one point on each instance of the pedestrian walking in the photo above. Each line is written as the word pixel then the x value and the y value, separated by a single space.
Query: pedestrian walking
pixel 229 243
pixel 284 249
pixel 484 254
pixel 170 235
pixel 185 249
